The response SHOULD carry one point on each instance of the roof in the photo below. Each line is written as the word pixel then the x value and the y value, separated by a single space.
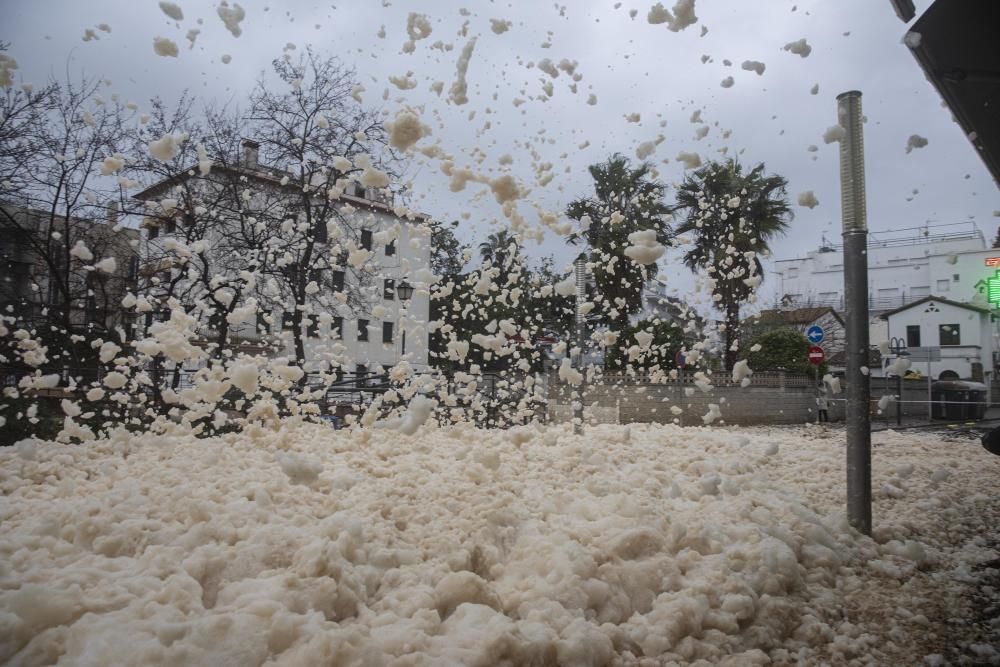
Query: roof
pixel 955 43
pixel 957 304
pixel 273 178
pixel 792 317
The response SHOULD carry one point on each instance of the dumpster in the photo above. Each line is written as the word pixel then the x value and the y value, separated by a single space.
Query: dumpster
pixel 958 399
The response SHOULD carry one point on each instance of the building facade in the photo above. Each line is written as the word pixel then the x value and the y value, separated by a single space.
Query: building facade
pixel 41 271
pixel 356 318
pixel 963 332
pixel 950 263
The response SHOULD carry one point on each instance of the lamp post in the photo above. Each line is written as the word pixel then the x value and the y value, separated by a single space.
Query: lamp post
pixel 405 292
pixel 854 217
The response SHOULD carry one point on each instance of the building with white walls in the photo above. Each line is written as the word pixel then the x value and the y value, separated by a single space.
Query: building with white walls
pixel 368 255
pixel 904 266
pixel 964 332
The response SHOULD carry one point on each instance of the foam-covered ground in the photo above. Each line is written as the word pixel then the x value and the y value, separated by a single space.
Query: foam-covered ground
pixel 640 545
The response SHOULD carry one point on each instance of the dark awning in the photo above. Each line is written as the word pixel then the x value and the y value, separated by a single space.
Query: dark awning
pixel 959 48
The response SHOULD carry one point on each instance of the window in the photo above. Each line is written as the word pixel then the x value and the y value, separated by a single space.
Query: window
pixel 913 335
pixel 360 371
pixel 363 331
pixel 920 292
pixel 387 332
pixel 337 281
pixel 942 285
pixel 366 239
pixel 337 328
pixel 312 327
pixel 319 232
pixel 792 272
pixel 955 277
pixel 389 290
pixel 390 248
pixel 317 276
pixel 171 226
pixel 152 232
pixel 949 334
pixel 263 326
pixel 286 320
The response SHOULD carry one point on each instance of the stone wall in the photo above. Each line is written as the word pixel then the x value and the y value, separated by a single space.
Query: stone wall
pixel 771 398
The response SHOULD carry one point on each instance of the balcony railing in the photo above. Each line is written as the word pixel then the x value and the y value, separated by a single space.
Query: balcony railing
pixel 875 303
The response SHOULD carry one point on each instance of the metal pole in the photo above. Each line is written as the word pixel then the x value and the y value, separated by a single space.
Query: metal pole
pixel 580 273
pixel 818 393
pixel 930 414
pixel 855 227
pixel 899 400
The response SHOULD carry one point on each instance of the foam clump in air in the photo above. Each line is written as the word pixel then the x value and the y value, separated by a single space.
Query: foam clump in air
pixel 419 410
pixel 172 10
pixel 690 160
pixel 645 249
pixel 164 46
pixel 834 133
pixel 569 374
pixel 165 148
pixel 81 251
pixel 112 164
pixel 231 17
pixel 406 130
pixel 915 141
pixel 808 199
pixel 799 47
pixel 499 26
pixel 742 372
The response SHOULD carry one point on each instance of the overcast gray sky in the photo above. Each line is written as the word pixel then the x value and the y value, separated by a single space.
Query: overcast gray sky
pixel 630 65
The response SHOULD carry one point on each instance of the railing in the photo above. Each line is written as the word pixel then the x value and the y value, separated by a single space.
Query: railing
pixel 837 302
pixel 717 379
pixel 971 232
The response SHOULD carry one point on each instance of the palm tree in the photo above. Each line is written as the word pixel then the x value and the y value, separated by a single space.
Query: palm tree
pixel 499 248
pixel 637 199
pixel 733 215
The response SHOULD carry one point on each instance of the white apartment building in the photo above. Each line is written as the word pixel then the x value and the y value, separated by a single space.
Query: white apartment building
pixel 949 262
pixel 389 325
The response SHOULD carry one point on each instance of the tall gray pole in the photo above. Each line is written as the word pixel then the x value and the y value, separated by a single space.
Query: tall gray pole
pixel 855 225
pixel 580 273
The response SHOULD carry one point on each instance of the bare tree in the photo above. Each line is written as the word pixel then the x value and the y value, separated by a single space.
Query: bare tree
pixel 335 168
pixel 68 261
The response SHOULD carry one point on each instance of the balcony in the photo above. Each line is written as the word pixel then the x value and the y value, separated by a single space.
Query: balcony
pixel 875 303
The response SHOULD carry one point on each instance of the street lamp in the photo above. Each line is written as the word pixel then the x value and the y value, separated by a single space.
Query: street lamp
pixel 405 292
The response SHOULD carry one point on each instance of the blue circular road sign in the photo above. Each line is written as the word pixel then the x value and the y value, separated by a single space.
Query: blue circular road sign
pixel 815 334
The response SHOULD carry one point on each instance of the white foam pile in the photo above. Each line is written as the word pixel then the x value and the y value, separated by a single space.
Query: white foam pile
pixel 308 546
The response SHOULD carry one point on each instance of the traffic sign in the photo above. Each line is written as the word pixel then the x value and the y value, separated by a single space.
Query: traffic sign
pixel 816 355
pixel 815 334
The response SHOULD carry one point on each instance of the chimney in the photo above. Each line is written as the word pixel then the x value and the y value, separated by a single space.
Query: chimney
pixel 251 150
pixel 112 213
